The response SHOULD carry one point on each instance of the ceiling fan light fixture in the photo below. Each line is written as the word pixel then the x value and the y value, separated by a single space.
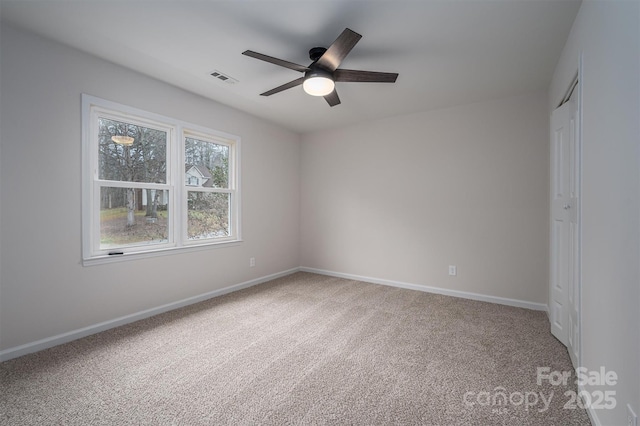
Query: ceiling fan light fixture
pixel 122 140
pixel 318 84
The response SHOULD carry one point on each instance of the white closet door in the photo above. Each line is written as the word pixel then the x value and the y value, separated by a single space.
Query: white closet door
pixel 564 293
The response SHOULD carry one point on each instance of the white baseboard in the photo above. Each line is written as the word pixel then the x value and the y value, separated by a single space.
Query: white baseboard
pixel 436 290
pixel 59 339
pixel 591 412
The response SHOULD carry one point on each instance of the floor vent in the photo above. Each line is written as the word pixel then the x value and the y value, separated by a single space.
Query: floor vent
pixel 223 77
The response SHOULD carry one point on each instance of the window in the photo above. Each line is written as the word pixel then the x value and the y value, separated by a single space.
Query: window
pixel 152 183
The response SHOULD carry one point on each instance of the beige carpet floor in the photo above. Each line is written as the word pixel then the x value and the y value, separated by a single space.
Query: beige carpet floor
pixel 303 349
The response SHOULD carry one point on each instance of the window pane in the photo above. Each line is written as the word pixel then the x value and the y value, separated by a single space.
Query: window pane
pixel 206 164
pixel 208 215
pixel 133 217
pixel 143 160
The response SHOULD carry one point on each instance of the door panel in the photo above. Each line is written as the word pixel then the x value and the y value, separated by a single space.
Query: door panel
pixel 564 284
pixel 559 285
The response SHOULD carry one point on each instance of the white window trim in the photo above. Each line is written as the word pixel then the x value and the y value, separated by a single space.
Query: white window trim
pixel 177 129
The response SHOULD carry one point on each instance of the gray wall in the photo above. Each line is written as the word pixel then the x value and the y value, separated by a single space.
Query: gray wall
pixel 607 33
pixel 44 289
pixel 402 198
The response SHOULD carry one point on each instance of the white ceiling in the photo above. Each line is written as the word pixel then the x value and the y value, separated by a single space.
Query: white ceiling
pixel 447 52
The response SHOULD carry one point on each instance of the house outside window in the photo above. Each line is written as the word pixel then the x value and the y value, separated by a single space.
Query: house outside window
pixel 153 183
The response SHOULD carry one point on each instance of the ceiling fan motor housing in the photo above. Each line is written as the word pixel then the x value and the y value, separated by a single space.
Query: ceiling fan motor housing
pixel 316 52
pixel 318 72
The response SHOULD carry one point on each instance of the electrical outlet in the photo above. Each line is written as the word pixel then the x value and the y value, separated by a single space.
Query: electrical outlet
pixel 252 262
pixel 453 270
pixel 632 419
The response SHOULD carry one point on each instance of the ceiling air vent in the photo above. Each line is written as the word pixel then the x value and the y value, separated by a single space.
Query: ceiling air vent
pixel 223 77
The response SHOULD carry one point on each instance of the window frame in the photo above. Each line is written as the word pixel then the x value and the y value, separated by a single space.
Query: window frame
pixel 175 182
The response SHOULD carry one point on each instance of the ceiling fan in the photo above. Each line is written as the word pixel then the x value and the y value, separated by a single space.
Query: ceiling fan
pixel 320 76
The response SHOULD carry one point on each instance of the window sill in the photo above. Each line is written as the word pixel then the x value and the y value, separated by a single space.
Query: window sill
pixel 100 260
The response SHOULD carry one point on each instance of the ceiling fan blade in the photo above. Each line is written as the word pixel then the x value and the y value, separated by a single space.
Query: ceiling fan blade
pixel 357 76
pixel 332 98
pixel 339 49
pixel 275 61
pixel 289 85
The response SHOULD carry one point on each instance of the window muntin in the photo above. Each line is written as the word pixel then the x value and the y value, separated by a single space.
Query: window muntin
pixel 174 186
